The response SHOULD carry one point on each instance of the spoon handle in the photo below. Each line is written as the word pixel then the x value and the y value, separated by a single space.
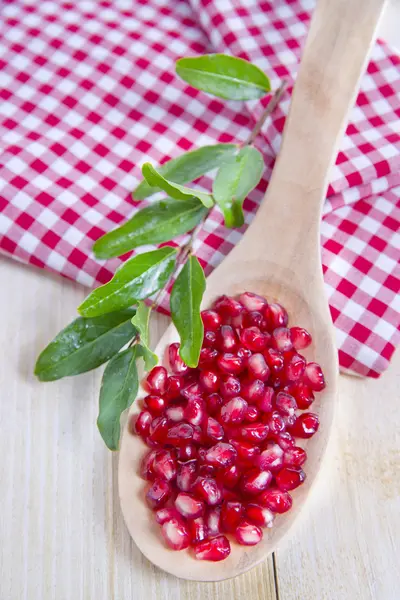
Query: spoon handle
pixel 333 61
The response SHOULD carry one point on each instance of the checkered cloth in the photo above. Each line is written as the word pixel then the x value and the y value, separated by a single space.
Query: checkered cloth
pixel 88 93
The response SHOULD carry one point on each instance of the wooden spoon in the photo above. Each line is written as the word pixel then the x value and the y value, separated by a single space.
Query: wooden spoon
pixel 279 258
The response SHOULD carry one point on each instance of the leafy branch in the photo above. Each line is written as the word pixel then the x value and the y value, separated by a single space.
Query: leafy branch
pixel 113 326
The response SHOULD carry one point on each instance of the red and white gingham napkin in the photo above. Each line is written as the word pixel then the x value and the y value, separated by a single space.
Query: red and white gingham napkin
pixel 88 93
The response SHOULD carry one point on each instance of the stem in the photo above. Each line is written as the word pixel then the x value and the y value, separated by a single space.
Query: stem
pixel 272 104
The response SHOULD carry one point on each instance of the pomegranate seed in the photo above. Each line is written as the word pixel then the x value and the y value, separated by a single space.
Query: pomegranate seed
pixel 289 478
pixel 147 466
pixel 191 391
pixel 274 359
pixel 257 367
pixel 206 470
pixel 213 521
pixel 314 377
pixel 198 436
pixel 265 403
pixel 176 363
pixel 255 481
pixel 179 434
pixel 214 430
pixel 253 319
pixel 244 354
pixel 157 380
pixel 158 493
pixel 154 404
pixel 276 382
pixel 289 420
pixel 141 423
pixel 188 506
pixel 207 357
pixel 228 306
pixel 231 515
pixel 175 413
pixel 186 452
pixel 248 534
pixel 229 363
pixel 221 455
pixel 213 403
pixel 174 387
pixel 252 414
pixel 216 549
pixel 253 339
pixel 252 301
pixel 281 339
pixel 245 450
pixel 253 391
pixel 195 412
pixel 276 500
pixel 186 477
pixel 198 530
pixel 209 381
pixel 285 403
pixel 158 430
pixel 276 316
pixel 234 410
pixel 294 369
pixel 259 515
pixel 271 458
pixel 211 320
pixel 176 534
pixel 275 423
pixel 166 514
pixel 237 321
pixel 227 340
pixel 254 433
pixel 302 393
pixel 230 387
pixel 164 465
pixel 305 426
pixel 210 339
pixel 285 440
pixel 294 457
pixel 300 337
pixel 230 476
pixel 208 490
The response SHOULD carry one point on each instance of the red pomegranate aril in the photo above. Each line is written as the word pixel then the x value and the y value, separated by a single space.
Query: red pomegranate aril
pixel 186 476
pixel 213 403
pixel 294 457
pixel 195 412
pixel 276 500
pixel 228 306
pixel 198 435
pixel 147 466
pixel 276 381
pixel 231 515
pixel 281 339
pixel 255 481
pixel 276 316
pixel 227 340
pixel 245 450
pixel 141 423
pixel 252 414
pixel 253 391
pixel 275 423
pixel 289 478
pixel 157 380
pixel 255 433
pixel 176 363
pixel 174 387
pixel 300 337
pixel 214 550
pixel 257 368
pixel 270 459
pixel 208 356
pixel 274 359
pixel 253 319
pixel 209 381
pixel 253 339
pixel 186 452
pixel 214 430
pixel 234 411
pixel 211 320
pixel 248 534
pixel 179 434
pixel 206 470
pixel 285 403
pixel 221 455
pixel 176 534
pixel 252 301
pixel 302 393
pixel 259 515
pixel 164 465
pixel 230 476
pixel 237 322
pixel 229 387
pixel 289 420
pixel 213 521
pixel 158 493
pixel 305 426
pixel 175 413
pixel 294 369
pixel 154 404
pixel 209 339
pixel 158 430
pixel 166 514
pixel 285 440
pixel 229 363
pixel 244 354
pixel 314 377
pixel 193 390
pixel 188 506
pixel 208 490
pixel 198 530
pixel 265 403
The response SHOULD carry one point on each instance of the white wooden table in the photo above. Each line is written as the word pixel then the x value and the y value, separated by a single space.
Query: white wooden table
pixel 62 536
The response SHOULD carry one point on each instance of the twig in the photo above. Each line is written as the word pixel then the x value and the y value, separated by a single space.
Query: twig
pixel 272 104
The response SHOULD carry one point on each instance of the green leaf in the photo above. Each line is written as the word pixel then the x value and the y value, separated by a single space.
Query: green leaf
pixel 186 296
pixel 188 167
pixel 161 222
pixel 234 180
pixel 179 192
pixel 134 280
pixel 84 345
pixel 224 76
pixel 119 388
pixel 141 322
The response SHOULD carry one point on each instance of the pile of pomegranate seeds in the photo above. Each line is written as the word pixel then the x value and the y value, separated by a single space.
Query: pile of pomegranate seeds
pixel 223 455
